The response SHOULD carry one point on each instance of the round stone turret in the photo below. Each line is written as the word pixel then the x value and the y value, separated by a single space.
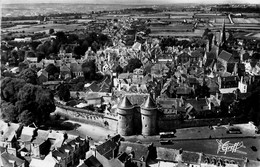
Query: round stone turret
pixel 149 117
pixel 125 117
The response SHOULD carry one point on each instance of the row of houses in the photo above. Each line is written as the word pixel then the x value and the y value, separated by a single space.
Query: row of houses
pixel 23 146
pixel 114 153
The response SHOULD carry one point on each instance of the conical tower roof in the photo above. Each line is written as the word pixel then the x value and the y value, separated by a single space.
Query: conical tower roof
pixel 125 104
pixel 149 104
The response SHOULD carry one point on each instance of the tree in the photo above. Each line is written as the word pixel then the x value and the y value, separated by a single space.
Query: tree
pixel 40 56
pixel 72 38
pixel 36 103
pixel 25 103
pixel 202 91
pixel 45 104
pixel 148 31
pixel 14 58
pixel 52 69
pixel 21 55
pixel 29 75
pixel 10 88
pixel 61 37
pixel 51 31
pixel 119 69
pixel 79 86
pixel 133 63
pixel 64 92
pixel 34 44
pixel 95 46
pixel 89 69
pixel 22 66
pixel 8 111
pixel 26 117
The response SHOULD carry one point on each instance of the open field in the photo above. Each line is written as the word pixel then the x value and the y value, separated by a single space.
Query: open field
pixel 196 33
pixel 220 20
pixel 44 28
pixel 246 20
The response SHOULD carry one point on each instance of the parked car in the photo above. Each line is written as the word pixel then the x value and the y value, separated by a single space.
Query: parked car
pixel 234 130
pixel 166 142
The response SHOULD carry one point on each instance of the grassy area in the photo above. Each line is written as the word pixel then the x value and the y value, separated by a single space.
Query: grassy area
pixel 44 27
pixel 245 21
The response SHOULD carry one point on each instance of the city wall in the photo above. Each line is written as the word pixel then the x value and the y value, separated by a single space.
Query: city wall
pixel 86 116
pixel 109 121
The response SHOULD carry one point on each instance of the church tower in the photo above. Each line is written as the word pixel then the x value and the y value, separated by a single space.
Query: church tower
pixel 149 117
pixel 125 117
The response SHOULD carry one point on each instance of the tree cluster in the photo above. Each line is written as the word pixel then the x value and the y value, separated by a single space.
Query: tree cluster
pixel 89 70
pixel 25 103
pixel 133 63
pixel 165 42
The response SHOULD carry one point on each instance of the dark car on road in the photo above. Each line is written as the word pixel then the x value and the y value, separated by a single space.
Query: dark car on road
pixel 166 142
pixel 234 130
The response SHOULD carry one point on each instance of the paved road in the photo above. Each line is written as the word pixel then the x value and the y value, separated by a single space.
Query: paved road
pixel 208 146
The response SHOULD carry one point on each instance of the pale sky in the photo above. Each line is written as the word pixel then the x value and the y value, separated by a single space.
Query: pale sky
pixel 131 1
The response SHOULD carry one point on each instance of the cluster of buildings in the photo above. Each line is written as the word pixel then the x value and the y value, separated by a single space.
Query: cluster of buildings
pixel 31 147
pixel 22 146
pixel 183 83
pixel 172 88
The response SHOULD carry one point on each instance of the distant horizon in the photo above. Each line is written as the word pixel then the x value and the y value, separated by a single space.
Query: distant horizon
pixel 132 2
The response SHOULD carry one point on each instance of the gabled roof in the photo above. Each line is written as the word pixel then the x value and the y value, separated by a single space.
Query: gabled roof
pixel 75 67
pixel 6 158
pixel 224 55
pixel 57 153
pixel 183 90
pixel 137 46
pixel 213 86
pixel 122 157
pixel 140 150
pixel 42 72
pixel 166 154
pixel 107 148
pixel 190 157
pixel 27 134
pixel 8 130
pixel 92 162
pixel 41 137
pixel 149 104
pixel 64 68
pixel 210 55
pixel 93 87
pixel 198 104
pixel 196 53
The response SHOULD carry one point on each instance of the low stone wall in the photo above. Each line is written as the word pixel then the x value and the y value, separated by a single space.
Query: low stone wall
pixel 89 117
pixel 86 120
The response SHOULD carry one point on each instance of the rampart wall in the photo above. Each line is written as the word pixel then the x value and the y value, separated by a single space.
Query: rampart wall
pixel 110 121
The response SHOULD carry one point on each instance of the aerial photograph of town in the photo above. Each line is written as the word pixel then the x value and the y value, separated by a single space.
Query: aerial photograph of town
pixel 130 83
